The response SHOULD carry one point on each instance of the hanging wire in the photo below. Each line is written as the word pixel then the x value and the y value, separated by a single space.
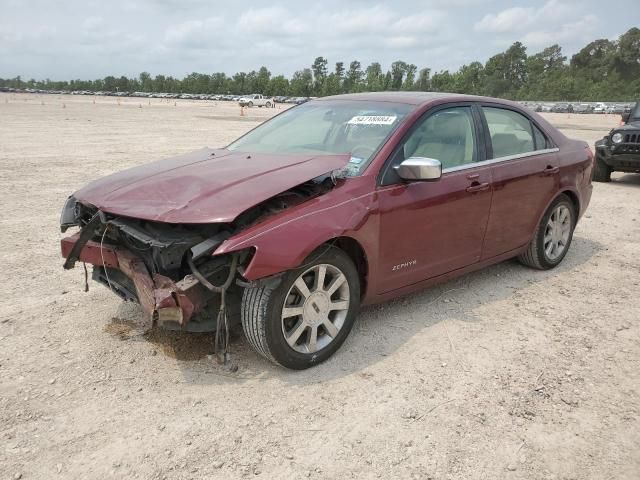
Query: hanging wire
pixel 221 345
pixel 104 266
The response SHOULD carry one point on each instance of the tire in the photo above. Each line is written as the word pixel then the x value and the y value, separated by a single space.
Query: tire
pixel 288 341
pixel 268 105
pixel 250 104
pixel 601 171
pixel 537 255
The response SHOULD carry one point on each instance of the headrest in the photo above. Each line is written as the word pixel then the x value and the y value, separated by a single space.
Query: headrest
pixel 450 126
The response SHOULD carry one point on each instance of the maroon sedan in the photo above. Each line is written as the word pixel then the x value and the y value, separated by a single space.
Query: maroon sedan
pixel 336 203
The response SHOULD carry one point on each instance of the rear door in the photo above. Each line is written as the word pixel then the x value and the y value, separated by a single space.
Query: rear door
pixel 525 172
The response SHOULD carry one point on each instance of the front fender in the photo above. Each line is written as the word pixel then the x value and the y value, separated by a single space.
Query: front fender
pixel 284 241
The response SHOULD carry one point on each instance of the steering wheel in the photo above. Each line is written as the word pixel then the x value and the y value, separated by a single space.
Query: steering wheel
pixel 362 151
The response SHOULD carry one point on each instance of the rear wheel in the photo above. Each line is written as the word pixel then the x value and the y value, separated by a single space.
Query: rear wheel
pixel 268 105
pixel 305 319
pixel 601 171
pixel 553 236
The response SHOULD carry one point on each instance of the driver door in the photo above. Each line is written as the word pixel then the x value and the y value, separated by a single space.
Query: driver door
pixel 432 228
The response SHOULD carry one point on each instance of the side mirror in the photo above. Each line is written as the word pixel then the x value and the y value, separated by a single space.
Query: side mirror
pixel 625 117
pixel 419 168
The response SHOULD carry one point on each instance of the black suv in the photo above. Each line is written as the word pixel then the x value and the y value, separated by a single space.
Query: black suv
pixel 620 150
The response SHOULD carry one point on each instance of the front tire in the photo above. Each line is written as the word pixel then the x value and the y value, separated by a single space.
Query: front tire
pixel 552 238
pixel 305 318
pixel 601 171
pixel 250 104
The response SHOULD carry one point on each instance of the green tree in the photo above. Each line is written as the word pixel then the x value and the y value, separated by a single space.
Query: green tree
pixel 424 80
pixel 278 85
pixel 626 59
pixel 262 80
pixel 469 79
pixel 301 84
pixel 398 69
pixel 146 83
pixel 602 70
pixel 353 79
pixel 374 77
pixel 410 78
pixel 319 69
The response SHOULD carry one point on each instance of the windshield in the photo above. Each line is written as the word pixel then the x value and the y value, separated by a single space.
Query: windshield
pixel 635 113
pixel 328 127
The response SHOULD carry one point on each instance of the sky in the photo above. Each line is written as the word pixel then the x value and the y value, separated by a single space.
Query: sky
pixel 88 39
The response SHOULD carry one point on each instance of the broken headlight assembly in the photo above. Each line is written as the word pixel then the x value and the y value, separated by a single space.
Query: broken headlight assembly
pixel 69 215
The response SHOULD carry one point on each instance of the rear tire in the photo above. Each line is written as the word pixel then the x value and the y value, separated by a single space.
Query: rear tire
pixel 552 238
pixel 302 340
pixel 601 171
pixel 268 105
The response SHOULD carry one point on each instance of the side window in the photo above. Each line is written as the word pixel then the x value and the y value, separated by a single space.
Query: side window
pixel 511 133
pixel 447 135
pixel 541 140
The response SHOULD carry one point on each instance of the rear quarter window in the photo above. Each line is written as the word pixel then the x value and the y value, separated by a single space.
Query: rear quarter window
pixel 541 141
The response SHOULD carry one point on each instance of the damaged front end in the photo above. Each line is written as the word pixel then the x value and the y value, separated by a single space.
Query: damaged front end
pixel 149 263
pixel 168 268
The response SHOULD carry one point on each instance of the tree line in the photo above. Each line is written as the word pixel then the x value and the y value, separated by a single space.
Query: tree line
pixel 602 70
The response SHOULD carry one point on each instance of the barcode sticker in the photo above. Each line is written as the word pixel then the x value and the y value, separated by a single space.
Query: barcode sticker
pixel 372 120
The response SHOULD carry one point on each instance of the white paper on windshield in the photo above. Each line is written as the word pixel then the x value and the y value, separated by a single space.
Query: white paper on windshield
pixel 372 120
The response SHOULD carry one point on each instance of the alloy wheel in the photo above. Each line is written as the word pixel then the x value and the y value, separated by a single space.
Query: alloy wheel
pixel 557 232
pixel 315 308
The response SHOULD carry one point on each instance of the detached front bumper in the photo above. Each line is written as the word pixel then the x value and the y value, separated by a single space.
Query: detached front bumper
pixel 163 299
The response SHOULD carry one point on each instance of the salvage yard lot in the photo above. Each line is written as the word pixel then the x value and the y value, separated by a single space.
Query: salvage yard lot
pixel 503 373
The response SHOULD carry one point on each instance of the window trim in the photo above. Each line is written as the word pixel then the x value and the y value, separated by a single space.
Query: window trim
pixel 501 159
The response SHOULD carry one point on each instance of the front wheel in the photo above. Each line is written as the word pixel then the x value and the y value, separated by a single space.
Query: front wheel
pixel 304 320
pixel 601 171
pixel 553 236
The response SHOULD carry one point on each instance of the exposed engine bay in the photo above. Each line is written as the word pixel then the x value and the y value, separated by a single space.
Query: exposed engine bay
pixel 169 268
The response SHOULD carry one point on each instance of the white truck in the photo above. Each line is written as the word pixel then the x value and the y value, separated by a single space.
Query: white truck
pixel 256 100
pixel 600 108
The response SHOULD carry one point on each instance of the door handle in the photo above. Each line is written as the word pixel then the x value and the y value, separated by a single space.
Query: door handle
pixel 550 170
pixel 478 187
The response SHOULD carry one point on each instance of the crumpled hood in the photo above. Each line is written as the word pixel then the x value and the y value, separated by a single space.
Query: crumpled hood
pixel 205 186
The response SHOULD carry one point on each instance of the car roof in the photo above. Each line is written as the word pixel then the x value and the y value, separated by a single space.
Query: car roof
pixel 411 98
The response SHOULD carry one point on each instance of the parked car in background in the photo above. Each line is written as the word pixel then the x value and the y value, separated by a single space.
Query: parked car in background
pixel 562 108
pixel 256 100
pixel 615 109
pixel 583 108
pixel 340 202
pixel 600 108
pixel 619 151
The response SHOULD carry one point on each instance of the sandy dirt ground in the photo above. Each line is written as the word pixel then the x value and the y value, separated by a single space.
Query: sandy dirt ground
pixel 504 373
